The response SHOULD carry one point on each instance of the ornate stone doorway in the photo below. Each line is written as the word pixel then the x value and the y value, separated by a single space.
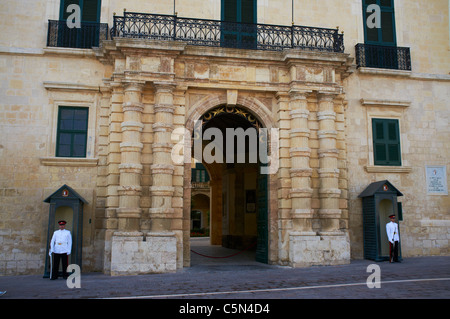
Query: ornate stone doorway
pixel 156 89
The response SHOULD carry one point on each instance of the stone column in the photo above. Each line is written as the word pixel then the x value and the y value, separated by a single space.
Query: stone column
pixel 329 191
pixel 162 189
pixel 130 168
pixel 300 172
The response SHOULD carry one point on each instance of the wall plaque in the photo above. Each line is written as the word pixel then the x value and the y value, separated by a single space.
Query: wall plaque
pixel 436 180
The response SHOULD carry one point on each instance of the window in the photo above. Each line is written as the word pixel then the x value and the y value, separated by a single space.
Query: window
pixel 196 218
pixel 90 9
pixel 386 142
pixel 87 35
pixel 239 11
pixel 199 174
pixel 243 35
pixel 386 34
pixel 72 131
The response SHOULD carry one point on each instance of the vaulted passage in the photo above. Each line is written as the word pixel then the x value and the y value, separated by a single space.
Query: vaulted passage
pixel 238 217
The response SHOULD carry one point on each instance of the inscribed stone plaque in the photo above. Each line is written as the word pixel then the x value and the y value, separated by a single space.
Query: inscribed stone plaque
pixel 436 180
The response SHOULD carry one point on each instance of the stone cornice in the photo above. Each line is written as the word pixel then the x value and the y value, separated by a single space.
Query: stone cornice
pixel 386 103
pixel 64 86
pixel 69 161
pixel 388 169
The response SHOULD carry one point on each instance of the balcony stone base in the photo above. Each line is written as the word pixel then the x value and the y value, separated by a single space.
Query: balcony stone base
pixel 134 254
pixel 309 249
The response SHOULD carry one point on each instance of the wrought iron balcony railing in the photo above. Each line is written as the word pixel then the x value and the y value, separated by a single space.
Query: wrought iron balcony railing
pixel 87 36
pixel 226 34
pixel 383 57
pixel 200 185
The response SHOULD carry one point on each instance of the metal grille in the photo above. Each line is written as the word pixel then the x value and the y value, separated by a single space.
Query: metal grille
pixel 226 34
pixel 384 57
pixel 87 36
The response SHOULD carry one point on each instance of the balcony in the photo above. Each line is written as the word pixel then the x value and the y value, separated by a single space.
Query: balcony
pixel 87 36
pixel 383 57
pixel 216 33
pixel 200 185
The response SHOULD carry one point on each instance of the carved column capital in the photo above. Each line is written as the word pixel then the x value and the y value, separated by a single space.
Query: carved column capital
pixel 133 85
pixel 327 96
pixel 165 86
pixel 296 94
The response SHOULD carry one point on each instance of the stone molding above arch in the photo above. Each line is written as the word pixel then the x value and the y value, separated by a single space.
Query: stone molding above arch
pixel 252 104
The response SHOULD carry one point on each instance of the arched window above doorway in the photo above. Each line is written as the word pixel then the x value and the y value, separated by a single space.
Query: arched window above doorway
pixel 227 109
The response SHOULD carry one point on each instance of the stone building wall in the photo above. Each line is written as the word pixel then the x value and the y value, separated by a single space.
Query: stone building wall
pixel 285 89
pixel 422 108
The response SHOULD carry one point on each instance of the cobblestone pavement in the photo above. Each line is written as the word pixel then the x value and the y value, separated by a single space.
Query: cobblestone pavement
pixel 241 278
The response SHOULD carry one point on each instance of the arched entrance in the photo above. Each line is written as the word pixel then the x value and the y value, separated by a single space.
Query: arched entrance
pixel 227 141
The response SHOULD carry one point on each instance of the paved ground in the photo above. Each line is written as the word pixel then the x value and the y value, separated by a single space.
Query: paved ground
pixel 240 277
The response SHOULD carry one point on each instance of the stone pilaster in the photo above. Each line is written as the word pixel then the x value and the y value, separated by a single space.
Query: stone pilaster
pixel 130 168
pixel 300 172
pixel 113 158
pixel 284 204
pixel 103 152
pixel 329 191
pixel 331 245
pixel 162 189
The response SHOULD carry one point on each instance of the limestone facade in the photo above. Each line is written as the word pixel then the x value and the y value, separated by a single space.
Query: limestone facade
pixel 138 92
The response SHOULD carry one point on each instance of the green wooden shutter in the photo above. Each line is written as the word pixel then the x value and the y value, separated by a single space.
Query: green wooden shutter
pixel 386 34
pixel 379 146
pixel 248 11
pixel 386 142
pixel 393 142
pixel 230 10
pixel 91 11
pixel 239 11
pixel 71 138
pixel 386 3
pixel 237 35
pixel 387 28
pixel 369 228
pixel 399 211
pixel 262 241
pixel 63 14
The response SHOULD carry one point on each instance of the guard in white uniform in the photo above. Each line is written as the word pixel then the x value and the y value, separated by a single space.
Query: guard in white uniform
pixel 394 238
pixel 61 247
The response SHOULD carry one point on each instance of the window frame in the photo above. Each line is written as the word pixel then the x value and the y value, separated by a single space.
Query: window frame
pixel 386 141
pixel 81 4
pixel 239 11
pixel 384 9
pixel 72 132
pixel 234 32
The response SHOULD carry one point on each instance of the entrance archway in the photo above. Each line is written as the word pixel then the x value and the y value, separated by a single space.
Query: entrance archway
pixel 239 217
